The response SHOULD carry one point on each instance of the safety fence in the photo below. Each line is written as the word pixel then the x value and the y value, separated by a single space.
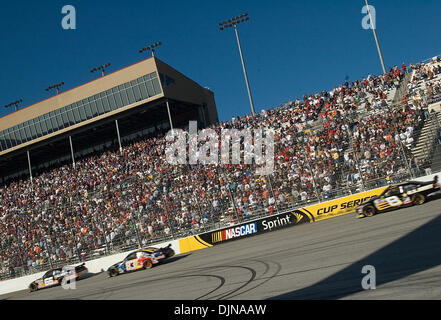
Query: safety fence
pixel 287 218
pixel 193 200
pixel 225 211
pixel 224 206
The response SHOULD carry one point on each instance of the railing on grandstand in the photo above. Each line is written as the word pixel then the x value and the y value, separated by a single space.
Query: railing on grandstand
pixel 402 89
pixel 227 217
pixel 428 60
pixel 352 177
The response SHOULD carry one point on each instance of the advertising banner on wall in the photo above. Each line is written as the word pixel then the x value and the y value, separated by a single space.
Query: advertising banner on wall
pixel 341 206
pixel 307 214
pixel 243 230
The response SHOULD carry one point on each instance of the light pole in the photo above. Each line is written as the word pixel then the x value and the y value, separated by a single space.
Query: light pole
pixel 151 47
pixel 29 165
pixel 15 103
pixel 374 28
pixel 233 22
pixel 56 86
pixel 101 68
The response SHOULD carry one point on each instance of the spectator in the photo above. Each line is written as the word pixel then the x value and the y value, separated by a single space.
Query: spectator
pixel 112 198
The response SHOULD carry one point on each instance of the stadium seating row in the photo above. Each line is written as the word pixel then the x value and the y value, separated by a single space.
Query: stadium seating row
pixel 327 144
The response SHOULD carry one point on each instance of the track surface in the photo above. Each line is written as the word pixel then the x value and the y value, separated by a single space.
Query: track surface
pixel 321 260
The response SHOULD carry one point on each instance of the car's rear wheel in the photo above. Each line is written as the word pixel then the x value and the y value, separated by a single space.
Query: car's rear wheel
pixel 418 199
pixel 369 211
pixel 113 272
pixel 147 264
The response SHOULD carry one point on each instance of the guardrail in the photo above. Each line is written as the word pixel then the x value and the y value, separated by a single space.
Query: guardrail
pixel 251 226
pixel 283 219
pixel 227 217
pixel 226 213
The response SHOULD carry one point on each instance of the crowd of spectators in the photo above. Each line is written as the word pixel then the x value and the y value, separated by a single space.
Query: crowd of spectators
pixel 135 195
pixel 425 83
pixel 383 141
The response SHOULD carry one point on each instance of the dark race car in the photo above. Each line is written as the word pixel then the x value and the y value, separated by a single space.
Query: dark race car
pixel 141 259
pixel 54 277
pixel 399 196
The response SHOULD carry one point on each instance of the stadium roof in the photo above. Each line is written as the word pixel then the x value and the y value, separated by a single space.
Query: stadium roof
pixel 24 127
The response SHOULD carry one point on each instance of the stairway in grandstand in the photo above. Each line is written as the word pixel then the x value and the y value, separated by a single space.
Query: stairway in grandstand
pixel 426 145
pixel 426 149
pixel 394 97
pixel 436 159
pixel 402 90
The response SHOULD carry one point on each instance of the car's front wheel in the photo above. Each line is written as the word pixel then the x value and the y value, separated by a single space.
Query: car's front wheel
pixel 369 211
pixel 418 199
pixel 33 287
pixel 113 272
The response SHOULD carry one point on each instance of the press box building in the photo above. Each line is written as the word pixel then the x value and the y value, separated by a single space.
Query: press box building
pixel 144 99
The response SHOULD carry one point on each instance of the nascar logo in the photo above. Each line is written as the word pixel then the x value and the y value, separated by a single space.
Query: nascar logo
pixel 232 233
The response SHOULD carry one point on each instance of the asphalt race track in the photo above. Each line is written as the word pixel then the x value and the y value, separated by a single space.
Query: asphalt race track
pixel 322 260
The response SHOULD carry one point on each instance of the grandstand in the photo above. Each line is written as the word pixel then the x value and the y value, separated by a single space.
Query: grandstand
pixel 358 136
pixel 424 85
pixel 101 115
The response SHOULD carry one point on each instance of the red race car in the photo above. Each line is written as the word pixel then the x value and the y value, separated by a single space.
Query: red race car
pixel 141 259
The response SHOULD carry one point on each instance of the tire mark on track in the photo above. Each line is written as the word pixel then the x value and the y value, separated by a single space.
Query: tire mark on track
pixel 222 282
pixel 253 276
pixel 279 268
pixel 223 295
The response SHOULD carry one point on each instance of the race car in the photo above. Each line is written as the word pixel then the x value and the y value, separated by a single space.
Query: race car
pixel 141 259
pixel 399 196
pixel 54 277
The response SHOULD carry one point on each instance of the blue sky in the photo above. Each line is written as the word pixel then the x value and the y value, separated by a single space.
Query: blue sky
pixel 291 47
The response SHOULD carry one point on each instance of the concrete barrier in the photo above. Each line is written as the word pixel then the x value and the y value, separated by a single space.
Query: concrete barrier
pixel 94 266
pixel 340 206
pixel 309 214
pixel 101 264
pixel 18 284
pixel 429 177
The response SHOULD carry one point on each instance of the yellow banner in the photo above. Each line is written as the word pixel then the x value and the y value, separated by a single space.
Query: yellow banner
pixel 317 212
pixel 192 243
pixel 338 207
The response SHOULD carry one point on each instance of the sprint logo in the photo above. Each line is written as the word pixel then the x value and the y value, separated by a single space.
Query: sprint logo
pixel 298 216
pixel 277 223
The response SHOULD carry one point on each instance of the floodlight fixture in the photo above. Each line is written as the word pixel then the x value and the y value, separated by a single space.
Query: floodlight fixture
pixel 101 68
pixel 151 48
pixel 14 104
pixel 55 86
